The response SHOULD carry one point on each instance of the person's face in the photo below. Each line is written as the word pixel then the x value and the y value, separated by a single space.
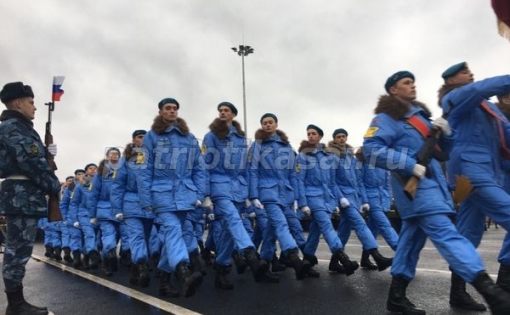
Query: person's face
pixel 113 156
pixel 225 114
pixel 91 170
pixel 404 89
pixel 504 102
pixel 169 112
pixel 69 181
pixel 340 139
pixel 80 176
pixel 25 106
pixel 313 136
pixel 463 77
pixel 269 125
pixel 138 140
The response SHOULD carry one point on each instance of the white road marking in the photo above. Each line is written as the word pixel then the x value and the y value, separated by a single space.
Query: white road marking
pixel 135 294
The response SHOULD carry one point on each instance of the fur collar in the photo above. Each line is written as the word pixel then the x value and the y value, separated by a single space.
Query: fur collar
pixel 264 136
pixel 445 89
pixel 306 147
pixel 339 149
pixel 101 167
pixel 220 128
pixel 159 126
pixel 396 108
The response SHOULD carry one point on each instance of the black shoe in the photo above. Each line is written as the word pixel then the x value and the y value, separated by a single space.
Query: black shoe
pixel 365 262
pixel 301 267
pixel 459 298
pixel 49 251
pixel 188 280
pixel 207 256
pixel 504 277
pixel 196 263
pixel 312 273
pixel 67 255
pixel 276 265
pixel 258 267
pixel 77 259
pixel 166 287
pixel 16 305
pixel 349 265
pixel 143 275
pixel 497 298
pixel 334 265
pixel 86 262
pixel 95 259
pixel 113 262
pixel 221 280
pixel 57 253
pixel 269 277
pixel 311 258
pixel 134 274
pixel 381 261
pixel 397 300
pixel 125 258
pixel 240 262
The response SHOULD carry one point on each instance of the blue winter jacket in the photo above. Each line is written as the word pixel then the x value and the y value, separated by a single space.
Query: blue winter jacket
pixel 78 207
pixel 101 190
pixel 376 182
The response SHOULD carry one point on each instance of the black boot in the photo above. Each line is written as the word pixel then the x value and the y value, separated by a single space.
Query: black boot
pixel 221 280
pixel 504 277
pixel 57 253
pixel 143 275
pixel 16 305
pixel 334 265
pixel 113 262
pixel 106 268
pixel 365 261
pixel 207 256
pixel 397 300
pixel 86 261
pixel 258 267
pixel 95 259
pixel 67 255
pixel 312 259
pixel 125 258
pixel 49 251
pixel 188 280
pixel 134 274
pixel 196 262
pixel 240 262
pixel 77 259
pixel 166 288
pixel 497 298
pixel 301 267
pixel 381 261
pixel 312 273
pixel 459 297
pixel 349 265
pixel 276 265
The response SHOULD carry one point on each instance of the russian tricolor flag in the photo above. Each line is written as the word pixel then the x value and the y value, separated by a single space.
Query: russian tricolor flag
pixel 57 90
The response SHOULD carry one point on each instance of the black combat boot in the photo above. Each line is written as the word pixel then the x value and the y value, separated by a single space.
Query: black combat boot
pixel 312 259
pixel 301 267
pixel 143 275
pixel 397 300
pixel 166 287
pixel 312 273
pixel 188 280
pixel 196 262
pixel 258 267
pixel 459 297
pixel 16 305
pixel 365 262
pixel 49 251
pixel 497 298
pixel 334 265
pixel 276 265
pixel 77 259
pixel 207 256
pixel 504 277
pixel 67 255
pixel 221 280
pixel 125 258
pixel 240 262
pixel 57 253
pixel 113 262
pixel 86 261
pixel 134 274
pixel 349 265
pixel 381 261
pixel 95 259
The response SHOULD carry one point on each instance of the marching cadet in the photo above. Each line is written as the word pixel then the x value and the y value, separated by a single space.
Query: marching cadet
pixel 316 171
pixel 393 140
pixel 480 150
pixel 173 184
pixel 225 154
pixel 65 202
pixel 273 186
pixel 126 202
pixel 28 179
pixel 353 203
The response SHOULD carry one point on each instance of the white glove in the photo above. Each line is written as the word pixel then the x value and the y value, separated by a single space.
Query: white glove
pixel 337 210
pixel 257 204
pixel 52 149
pixel 344 202
pixel 93 221
pixel 306 210
pixel 252 215
pixel 119 216
pixel 365 207
pixel 419 170
pixel 76 224
pixel 211 217
pixel 208 203
pixel 295 205
pixel 247 203
pixel 443 125
pixel 198 203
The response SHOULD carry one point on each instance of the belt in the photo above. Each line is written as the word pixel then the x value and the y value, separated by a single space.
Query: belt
pixel 18 177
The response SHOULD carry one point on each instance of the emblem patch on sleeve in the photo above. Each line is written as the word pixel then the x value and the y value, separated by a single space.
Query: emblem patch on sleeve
pixel 34 149
pixel 371 132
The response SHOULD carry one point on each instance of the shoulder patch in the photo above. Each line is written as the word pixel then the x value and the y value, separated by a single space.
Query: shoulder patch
pixel 298 167
pixel 140 158
pixel 203 148
pixel 371 131
pixel 34 149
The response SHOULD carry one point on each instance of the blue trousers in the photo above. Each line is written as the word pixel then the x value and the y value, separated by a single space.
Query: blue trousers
pixel 139 231
pixel 65 234
pixel 294 226
pixel 352 219
pixel 155 242
pixel 174 250
pixel 75 239
pixel 378 223
pixel 230 213
pixel 108 235
pixel 280 228
pixel 124 236
pixel 460 254
pixel 223 240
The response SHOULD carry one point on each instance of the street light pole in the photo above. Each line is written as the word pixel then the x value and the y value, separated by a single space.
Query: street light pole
pixel 243 51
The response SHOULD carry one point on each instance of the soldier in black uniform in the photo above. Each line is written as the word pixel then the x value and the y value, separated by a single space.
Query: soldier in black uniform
pixel 28 179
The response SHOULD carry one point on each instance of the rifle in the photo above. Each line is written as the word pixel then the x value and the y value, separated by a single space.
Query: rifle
pixel 424 157
pixel 54 199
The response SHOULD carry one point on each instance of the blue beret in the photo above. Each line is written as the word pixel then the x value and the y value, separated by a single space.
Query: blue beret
pixel 138 132
pixel 14 90
pixel 76 172
pixel 113 149
pixel 229 105
pixel 168 100
pixel 453 70
pixel 89 165
pixel 397 76
pixel 340 130
pixel 269 115
pixel 69 177
pixel 319 130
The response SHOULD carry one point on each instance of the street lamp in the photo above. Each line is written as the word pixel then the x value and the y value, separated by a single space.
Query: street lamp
pixel 243 51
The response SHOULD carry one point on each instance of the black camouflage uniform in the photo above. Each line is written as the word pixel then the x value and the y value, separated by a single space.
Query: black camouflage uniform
pixel 28 179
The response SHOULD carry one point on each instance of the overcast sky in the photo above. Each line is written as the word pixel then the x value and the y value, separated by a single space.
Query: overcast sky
pixel 321 61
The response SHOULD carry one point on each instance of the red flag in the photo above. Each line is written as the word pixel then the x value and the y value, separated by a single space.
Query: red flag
pixel 502 10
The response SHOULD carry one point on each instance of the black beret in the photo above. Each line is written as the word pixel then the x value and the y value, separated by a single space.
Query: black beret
pixel 453 70
pixel 340 130
pixel 269 115
pixel 69 177
pixel 229 105
pixel 138 132
pixel 89 165
pixel 319 130
pixel 76 172
pixel 168 100
pixel 397 76
pixel 14 90
pixel 112 149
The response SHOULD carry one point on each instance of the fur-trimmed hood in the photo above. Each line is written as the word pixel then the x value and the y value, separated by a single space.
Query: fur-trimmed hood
pixel 160 125
pixel 339 150
pixel 130 151
pixel 100 167
pixel 396 108
pixel 220 128
pixel 306 147
pixel 445 89
pixel 264 135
